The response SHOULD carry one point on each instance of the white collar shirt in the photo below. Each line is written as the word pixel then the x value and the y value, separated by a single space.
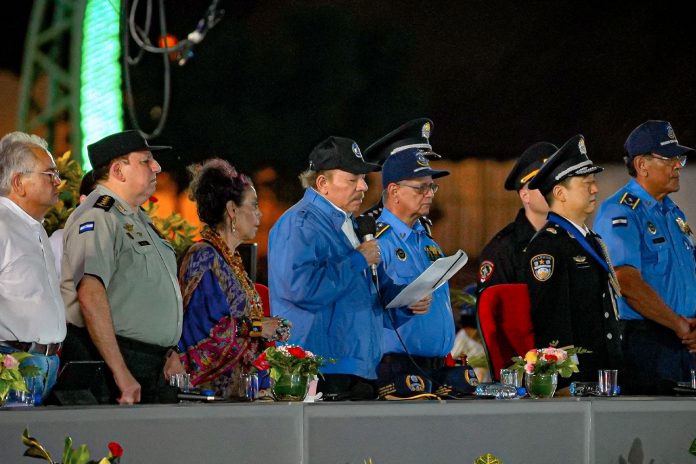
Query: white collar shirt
pixel 347 226
pixel 31 307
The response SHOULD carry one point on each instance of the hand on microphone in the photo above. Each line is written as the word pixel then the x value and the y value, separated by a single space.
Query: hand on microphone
pixel 370 250
pixel 421 306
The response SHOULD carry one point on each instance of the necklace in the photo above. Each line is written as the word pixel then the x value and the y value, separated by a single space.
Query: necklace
pixel 234 261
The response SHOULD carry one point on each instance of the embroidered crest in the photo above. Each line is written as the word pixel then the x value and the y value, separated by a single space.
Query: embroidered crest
pixel 415 383
pixel 128 227
pixel 670 132
pixel 104 202
pixel 86 227
pixel 651 228
pixel 619 221
pixel 356 151
pixel 542 267
pixel 580 259
pixel 422 160
pixel 401 254
pixel 433 253
pixel 486 270
pixel 581 146
pixel 425 130
pixel 629 200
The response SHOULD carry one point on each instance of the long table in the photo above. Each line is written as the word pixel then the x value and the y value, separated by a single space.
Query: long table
pixel 634 430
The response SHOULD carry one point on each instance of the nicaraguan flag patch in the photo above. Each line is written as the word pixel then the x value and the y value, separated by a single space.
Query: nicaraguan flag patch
pixel 87 226
pixel 619 222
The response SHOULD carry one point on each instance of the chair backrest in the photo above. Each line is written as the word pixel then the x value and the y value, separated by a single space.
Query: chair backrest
pixel 262 290
pixel 505 324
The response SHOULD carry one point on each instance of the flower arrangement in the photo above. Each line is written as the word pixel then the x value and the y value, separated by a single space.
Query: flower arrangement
pixel 291 359
pixel 70 454
pixel 12 375
pixel 550 360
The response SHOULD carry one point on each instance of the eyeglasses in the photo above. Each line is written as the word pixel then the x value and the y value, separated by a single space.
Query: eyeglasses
pixel 681 160
pixel 423 188
pixel 53 174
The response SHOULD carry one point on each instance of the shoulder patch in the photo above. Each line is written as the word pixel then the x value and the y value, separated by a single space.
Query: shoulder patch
pixel 629 200
pixel 105 202
pixel 542 267
pixel 381 228
pixel 86 227
pixel 486 270
pixel 621 221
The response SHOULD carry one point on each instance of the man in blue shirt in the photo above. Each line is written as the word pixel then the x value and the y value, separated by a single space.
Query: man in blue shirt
pixel 319 272
pixel 652 248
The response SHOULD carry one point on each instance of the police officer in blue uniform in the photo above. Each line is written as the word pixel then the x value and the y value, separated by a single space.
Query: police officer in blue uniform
pixel 652 247
pixel 502 259
pixel 572 285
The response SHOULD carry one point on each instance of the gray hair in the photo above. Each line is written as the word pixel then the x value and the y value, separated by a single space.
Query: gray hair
pixel 16 156
pixel 308 178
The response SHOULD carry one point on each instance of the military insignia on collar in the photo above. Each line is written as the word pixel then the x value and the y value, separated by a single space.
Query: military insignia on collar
pixel 356 151
pixel 381 228
pixel 128 227
pixel 629 200
pixel 425 130
pixel 486 270
pixel 433 253
pixel 422 160
pixel 580 259
pixel 401 254
pixel 683 226
pixel 104 202
pixel 581 146
pixel 651 228
pixel 552 230
pixel 121 209
pixel 542 267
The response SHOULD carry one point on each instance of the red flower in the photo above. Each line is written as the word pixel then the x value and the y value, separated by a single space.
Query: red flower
pixel 115 449
pixel 551 357
pixel 153 199
pixel 297 352
pixel 261 363
pixel 449 360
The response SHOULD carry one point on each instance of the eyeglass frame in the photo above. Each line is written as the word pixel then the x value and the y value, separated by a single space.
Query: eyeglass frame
pixel 681 159
pixel 422 189
pixel 54 174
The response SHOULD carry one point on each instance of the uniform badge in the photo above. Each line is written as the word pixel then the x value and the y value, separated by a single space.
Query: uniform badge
pixel 542 267
pixel 381 228
pixel 651 228
pixel 104 202
pixel 356 151
pixel 581 146
pixel 121 209
pixel 422 160
pixel 552 230
pixel 486 270
pixel 86 227
pixel 128 227
pixel 683 226
pixel 433 253
pixel 580 259
pixel 401 254
pixel 415 383
pixel 670 132
pixel 425 130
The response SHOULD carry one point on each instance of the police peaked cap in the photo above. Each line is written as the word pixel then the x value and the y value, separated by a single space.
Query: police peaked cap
pixel 118 144
pixel 528 165
pixel 570 160
pixel 414 135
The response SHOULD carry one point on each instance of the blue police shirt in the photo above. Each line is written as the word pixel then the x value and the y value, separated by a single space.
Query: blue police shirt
pixel 406 253
pixel 646 234
pixel 323 285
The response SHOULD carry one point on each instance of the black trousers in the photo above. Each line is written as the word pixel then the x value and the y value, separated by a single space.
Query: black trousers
pixel 144 360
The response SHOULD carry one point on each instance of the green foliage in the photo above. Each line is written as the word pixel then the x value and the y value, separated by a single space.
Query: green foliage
pixel 692 448
pixel 79 455
pixel 68 193
pixel 550 360
pixel 292 359
pixel 174 228
pixel 487 458
pixel 12 375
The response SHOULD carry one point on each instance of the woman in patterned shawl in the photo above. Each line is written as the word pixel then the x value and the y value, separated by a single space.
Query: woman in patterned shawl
pixel 224 329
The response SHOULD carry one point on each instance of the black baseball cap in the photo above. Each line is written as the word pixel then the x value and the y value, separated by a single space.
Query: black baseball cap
pixel 528 164
pixel 340 153
pixel 119 144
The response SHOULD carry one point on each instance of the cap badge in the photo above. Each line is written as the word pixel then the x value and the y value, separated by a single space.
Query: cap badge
pixel 356 150
pixel 670 132
pixel 581 146
pixel 401 254
pixel 542 267
pixel 422 160
pixel 415 383
pixel 651 228
pixel 425 130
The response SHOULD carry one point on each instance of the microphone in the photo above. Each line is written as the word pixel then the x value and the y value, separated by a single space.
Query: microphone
pixel 366 230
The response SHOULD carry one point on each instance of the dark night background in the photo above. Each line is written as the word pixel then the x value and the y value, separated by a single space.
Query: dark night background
pixel 275 77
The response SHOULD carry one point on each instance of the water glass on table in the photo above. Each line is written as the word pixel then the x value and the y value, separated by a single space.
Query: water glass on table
pixel 181 381
pixel 248 387
pixel 510 377
pixel 608 382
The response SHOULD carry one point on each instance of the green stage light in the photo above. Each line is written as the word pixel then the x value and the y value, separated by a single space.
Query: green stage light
pixel 101 97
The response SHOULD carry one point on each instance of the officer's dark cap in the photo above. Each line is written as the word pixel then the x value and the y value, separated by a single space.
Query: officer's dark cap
pixel 654 137
pixel 118 144
pixel 528 165
pixel 408 164
pixel 414 135
pixel 340 153
pixel 570 160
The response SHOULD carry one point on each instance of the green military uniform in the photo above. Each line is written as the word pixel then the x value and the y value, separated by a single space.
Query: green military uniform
pixel 105 238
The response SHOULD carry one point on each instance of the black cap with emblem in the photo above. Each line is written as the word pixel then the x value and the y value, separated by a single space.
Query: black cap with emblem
pixel 414 135
pixel 119 144
pixel 340 153
pixel 528 165
pixel 568 161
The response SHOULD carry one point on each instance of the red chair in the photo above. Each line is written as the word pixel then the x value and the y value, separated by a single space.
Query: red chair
pixel 505 324
pixel 262 290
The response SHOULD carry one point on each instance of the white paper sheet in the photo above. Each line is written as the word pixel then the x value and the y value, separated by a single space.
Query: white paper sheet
pixel 437 274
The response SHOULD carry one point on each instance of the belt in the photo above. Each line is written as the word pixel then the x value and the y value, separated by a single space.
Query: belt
pixel 423 362
pixel 33 347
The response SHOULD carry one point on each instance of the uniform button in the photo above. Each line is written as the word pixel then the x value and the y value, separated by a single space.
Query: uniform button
pixel 606 315
pixel 604 295
pixel 610 336
pixel 620 337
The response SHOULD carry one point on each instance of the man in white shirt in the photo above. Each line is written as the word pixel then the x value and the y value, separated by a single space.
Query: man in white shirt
pixel 32 314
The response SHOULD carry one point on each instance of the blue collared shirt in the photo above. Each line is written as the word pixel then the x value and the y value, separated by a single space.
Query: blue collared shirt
pixel 645 234
pixel 406 253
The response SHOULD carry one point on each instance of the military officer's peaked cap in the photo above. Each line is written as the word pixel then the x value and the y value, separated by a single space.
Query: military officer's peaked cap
pixel 340 153
pixel 118 144
pixel 570 160
pixel 527 165
pixel 654 137
pixel 412 136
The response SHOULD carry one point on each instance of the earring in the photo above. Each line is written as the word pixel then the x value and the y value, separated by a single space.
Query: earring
pixel 233 223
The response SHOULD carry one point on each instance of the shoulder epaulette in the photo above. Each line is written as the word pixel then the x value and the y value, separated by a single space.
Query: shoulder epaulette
pixel 105 202
pixel 629 200
pixel 381 228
